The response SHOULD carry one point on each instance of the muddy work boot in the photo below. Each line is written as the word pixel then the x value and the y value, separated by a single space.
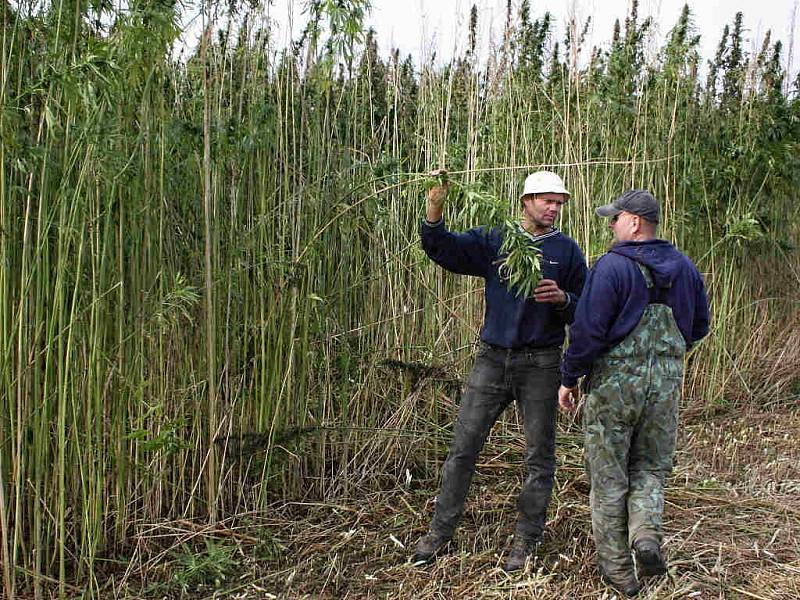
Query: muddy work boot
pixel 624 584
pixel 521 550
pixel 430 546
pixel 649 560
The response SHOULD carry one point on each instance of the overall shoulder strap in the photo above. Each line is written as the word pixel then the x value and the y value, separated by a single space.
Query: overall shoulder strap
pixel 657 295
pixel 648 277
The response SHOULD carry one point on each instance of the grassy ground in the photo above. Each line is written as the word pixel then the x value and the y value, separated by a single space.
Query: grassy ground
pixel 732 526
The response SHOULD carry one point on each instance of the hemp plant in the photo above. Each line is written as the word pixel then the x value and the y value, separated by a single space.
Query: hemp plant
pixel 520 257
pixel 521 267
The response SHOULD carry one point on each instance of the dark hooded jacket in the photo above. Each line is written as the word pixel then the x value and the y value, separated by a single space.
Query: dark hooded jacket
pixel 511 321
pixel 616 295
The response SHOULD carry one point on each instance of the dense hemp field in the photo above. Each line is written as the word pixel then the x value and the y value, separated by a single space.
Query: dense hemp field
pixel 227 366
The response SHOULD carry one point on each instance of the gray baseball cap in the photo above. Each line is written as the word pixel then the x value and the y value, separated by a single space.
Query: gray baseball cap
pixel 636 202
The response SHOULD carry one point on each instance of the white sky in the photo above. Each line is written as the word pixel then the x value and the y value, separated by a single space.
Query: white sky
pixel 418 27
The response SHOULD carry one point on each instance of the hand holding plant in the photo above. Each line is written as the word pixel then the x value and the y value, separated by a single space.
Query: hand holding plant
pixel 521 267
pixel 520 258
pixel 548 291
pixel 437 194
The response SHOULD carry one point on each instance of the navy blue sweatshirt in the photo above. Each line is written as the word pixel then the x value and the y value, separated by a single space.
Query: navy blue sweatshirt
pixel 511 321
pixel 616 296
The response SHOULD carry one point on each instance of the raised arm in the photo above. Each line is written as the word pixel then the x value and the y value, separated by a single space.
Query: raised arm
pixel 468 253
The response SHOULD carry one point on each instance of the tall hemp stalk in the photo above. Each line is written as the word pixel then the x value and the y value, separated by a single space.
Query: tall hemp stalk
pixel 210 308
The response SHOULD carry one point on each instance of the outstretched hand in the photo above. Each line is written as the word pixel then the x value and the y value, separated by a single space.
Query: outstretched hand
pixel 567 398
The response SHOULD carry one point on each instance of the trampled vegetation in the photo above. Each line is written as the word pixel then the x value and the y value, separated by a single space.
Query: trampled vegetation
pixel 221 337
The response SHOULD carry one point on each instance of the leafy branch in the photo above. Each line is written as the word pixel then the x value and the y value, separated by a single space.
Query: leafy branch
pixel 520 257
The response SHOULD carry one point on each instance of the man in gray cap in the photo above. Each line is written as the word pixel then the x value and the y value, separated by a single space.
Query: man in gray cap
pixel 518 356
pixel 643 306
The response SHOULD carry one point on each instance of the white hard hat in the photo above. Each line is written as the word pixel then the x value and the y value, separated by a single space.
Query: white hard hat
pixel 542 182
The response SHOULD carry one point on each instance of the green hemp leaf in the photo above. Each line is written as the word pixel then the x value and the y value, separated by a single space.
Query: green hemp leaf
pixel 521 267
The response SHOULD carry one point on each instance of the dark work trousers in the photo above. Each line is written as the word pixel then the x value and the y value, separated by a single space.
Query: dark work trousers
pixel 531 377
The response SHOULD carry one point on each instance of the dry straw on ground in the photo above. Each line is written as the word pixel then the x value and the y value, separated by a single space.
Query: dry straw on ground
pixel 732 523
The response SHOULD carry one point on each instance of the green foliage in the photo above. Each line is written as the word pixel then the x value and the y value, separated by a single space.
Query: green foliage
pixel 344 19
pixel 733 81
pixel 531 38
pixel 270 548
pixel 177 304
pixel 168 441
pixel 625 61
pixel 481 206
pixel 743 229
pixel 210 566
pixel 521 266
pixel 680 56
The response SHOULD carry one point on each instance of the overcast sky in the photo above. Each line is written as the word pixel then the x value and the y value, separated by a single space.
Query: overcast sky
pixel 418 26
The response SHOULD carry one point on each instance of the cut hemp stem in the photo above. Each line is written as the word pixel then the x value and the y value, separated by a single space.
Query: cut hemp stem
pixel 520 256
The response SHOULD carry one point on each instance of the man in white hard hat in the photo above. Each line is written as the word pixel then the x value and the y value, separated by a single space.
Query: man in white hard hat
pixel 518 357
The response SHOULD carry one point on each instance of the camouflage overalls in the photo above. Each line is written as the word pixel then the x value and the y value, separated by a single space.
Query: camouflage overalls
pixel 630 424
